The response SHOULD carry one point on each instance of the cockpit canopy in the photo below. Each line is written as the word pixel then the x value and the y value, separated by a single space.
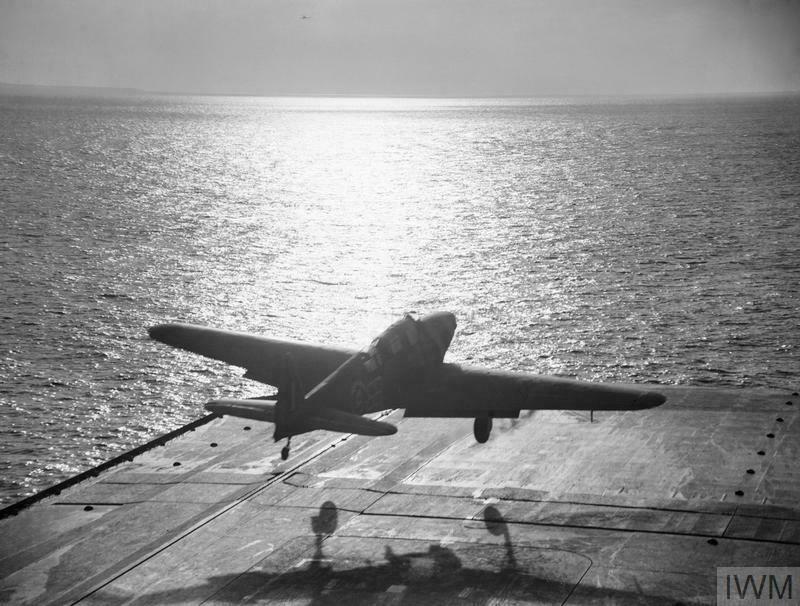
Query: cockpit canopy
pixel 418 343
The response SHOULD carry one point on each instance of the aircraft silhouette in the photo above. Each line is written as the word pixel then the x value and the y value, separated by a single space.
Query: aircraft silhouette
pixel 322 387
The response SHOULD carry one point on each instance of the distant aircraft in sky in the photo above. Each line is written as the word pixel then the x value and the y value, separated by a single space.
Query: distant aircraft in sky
pixel 330 388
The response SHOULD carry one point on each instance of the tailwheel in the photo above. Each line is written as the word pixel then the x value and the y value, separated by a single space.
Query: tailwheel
pixel 285 449
pixel 482 428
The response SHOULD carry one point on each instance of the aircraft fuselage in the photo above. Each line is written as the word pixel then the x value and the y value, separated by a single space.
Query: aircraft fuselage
pixel 396 366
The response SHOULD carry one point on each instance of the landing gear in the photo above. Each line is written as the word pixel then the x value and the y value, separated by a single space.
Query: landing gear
pixel 482 428
pixel 285 449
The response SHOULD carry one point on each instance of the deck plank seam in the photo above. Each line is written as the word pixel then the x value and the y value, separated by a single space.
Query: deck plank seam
pixel 582 527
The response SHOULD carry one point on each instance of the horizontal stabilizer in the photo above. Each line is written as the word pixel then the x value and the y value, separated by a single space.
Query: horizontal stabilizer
pixel 258 410
pixel 304 419
pixel 345 422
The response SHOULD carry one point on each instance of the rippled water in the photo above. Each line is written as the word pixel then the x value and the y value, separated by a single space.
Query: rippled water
pixel 630 240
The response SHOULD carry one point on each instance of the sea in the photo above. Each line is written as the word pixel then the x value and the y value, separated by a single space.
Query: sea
pixel 647 240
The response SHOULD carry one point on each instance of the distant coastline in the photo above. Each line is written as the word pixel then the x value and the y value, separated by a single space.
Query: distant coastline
pixel 46 90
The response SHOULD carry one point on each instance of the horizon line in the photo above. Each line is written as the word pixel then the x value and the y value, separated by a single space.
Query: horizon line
pixel 132 91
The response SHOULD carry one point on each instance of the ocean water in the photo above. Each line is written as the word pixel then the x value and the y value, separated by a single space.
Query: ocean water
pixel 645 240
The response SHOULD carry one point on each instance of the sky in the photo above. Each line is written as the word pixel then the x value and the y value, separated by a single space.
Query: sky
pixel 425 48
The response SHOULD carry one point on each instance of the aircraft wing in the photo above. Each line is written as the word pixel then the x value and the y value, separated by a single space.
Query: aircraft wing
pixel 465 391
pixel 305 419
pixel 262 357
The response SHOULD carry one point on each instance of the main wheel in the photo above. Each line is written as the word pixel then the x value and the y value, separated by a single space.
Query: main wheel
pixel 285 453
pixel 482 428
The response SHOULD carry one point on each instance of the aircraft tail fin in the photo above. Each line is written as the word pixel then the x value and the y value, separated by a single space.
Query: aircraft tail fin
pixel 291 397
pixel 291 417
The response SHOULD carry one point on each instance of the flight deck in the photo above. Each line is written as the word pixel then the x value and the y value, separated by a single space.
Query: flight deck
pixel 637 507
